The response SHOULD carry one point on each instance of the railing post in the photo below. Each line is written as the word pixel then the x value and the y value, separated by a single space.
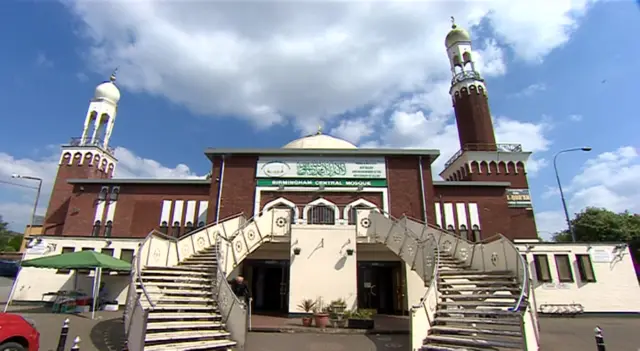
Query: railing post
pixel 62 340
pixel 599 339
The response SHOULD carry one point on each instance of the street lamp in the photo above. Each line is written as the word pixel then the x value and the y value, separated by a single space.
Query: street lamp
pixel 33 220
pixel 564 202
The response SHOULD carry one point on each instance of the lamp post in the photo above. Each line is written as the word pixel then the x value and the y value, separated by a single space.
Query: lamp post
pixel 564 202
pixel 33 220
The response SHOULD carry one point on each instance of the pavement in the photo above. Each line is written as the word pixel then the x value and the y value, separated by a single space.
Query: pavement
pixel 326 342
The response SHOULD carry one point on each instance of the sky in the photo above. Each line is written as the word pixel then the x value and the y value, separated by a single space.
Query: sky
pixel 257 73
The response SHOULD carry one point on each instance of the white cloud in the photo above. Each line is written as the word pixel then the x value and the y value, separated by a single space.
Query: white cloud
pixel 530 90
pixel 272 62
pixel 609 180
pixel 575 118
pixel 43 61
pixel 17 202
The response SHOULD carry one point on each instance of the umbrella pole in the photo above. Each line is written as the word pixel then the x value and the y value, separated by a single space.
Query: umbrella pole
pixel 96 281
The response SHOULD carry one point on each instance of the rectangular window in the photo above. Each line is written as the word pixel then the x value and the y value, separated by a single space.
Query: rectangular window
pixel 66 249
pixel 563 265
pixel 541 264
pixel 107 251
pixel 126 255
pixel 585 268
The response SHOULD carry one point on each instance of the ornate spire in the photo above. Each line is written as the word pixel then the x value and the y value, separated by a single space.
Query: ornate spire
pixel 453 23
pixel 113 75
pixel 319 129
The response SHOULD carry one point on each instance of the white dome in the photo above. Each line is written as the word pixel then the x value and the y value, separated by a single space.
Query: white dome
pixel 108 91
pixel 319 141
pixel 457 35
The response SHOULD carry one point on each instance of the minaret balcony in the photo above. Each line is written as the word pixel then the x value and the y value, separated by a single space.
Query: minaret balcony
pixel 466 75
pixel 483 147
pixel 88 141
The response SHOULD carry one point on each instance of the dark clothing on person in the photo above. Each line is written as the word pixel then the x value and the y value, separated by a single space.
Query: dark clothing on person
pixel 241 290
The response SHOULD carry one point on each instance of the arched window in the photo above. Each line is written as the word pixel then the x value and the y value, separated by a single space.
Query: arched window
pixel 175 230
pixel 200 224
pixel 164 227
pixel 464 233
pixel 351 210
pixel 96 228
pixel 451 229
pixel 321 214
pixel 282 203
pixel 107 229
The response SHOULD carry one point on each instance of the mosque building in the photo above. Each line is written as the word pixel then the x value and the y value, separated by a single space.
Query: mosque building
pixel 322 195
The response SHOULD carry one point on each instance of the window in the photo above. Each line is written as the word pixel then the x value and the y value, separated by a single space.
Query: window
pixel 476 232
pixel 114 193
pixel 353 213
pixel 175 230
pixel 585 268
pixel 103 193
pixel 107 251
pixel 563 265
pixel 164 227
pixel 464 233
pixel 321 214
pixel 541 263
pixel 107 229
pixel 200 224
pixel 65 250
pixel 96 228
pixel 126 255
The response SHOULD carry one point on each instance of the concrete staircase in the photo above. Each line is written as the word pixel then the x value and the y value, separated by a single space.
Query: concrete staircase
pixel 185 315
pixel 473 310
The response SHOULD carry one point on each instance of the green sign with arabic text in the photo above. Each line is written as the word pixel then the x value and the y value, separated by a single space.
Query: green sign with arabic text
pixel 343 183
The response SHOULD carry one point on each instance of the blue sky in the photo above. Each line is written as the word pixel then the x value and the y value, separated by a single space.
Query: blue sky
pixel 217 76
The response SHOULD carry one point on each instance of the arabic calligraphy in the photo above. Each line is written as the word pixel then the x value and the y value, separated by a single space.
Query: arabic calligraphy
pixel 321 169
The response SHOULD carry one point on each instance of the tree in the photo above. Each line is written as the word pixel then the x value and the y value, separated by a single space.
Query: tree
pixel 600 225
pixel 9 241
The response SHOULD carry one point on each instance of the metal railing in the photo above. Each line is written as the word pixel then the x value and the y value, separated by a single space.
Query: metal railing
pixel 135 315
pixel 464 75
pixel 88 141
pixel 483 147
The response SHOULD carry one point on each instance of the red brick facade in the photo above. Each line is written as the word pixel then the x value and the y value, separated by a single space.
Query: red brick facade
pixel 473 117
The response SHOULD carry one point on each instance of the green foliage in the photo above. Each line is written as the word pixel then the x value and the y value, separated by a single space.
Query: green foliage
pixel 9 241
pixel 600 225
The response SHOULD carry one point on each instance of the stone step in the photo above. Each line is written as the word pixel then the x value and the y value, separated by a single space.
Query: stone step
pixel 185 334
pixel 480 289
pixel 188 272
pixel 188 299
pixel 173 316
pixel 475 276
pixel 487 321
pixel 174 278
pixel 178 291
pixel 177 284
pixel 458 297
pixel 160 325
pixel 440 329
pixel 473 272
pixel 494 313
pixel 224 344
pixel 180 307
pixel 479 283
pixel 474 342
pixel 476 303
pixel 186 269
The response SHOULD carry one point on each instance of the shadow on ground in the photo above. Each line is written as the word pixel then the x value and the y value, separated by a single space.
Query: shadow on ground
pixel 108 335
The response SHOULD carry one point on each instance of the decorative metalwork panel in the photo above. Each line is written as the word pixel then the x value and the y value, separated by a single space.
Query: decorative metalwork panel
pixel 321 214
pixel 466 75
pixel 200 243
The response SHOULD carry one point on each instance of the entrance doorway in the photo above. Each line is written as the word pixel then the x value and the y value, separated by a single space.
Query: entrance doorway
pixel 380 286
pixel 269 284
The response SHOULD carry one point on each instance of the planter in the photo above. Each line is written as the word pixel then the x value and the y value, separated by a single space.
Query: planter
pixel 355 323
pixel 307 321
pixel 322 320
pixel 338 323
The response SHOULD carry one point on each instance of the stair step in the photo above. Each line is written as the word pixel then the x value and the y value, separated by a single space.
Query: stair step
pixel 186 334
pixel 193 345
pixel 151 326
pixel 458 297
pixel 479 289
pixel 477 303
pixel 186 269
pixel 474 342
pixel 180 307
pixel 189 299
pixel 173 272
pixel 183 315
pixel 202 285
pixel 472 272
pixel 438 347
pixel 164 291
pixel 480 311
pixel 491 321
pixel 181 278
pixel 480 283
pixel 440 329
pixel 475 276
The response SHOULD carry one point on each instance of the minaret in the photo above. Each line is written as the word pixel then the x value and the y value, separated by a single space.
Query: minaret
pixel 480 157
pixel 86 157
pixel 469 94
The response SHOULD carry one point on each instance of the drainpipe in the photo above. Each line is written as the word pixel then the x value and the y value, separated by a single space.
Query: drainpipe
pixel 424 202
pixel 221 177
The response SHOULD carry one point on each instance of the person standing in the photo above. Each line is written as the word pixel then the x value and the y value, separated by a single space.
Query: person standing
pixel 240 289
